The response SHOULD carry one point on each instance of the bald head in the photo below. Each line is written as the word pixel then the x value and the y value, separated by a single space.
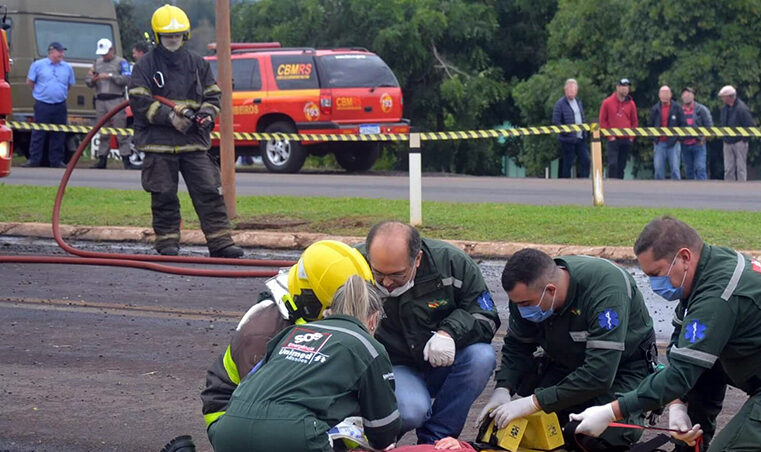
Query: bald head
pixel 664 94
pixel 393 252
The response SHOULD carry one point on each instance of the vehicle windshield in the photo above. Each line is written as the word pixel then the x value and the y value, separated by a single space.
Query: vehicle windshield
pixel 355 71
pixel 79 38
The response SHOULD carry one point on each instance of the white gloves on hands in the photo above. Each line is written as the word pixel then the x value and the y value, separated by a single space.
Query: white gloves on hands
pixel 679 420
pixel 498 397
pixel 514 409
pixel 594 420
pixel 439 350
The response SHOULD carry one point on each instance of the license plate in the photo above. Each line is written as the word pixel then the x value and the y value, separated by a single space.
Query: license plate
pixel 369 129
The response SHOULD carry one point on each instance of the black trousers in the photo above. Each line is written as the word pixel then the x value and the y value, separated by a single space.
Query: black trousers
pixel 617 152
pixel 160 176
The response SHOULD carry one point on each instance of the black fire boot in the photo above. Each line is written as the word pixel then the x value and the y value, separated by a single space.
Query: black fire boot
pixel 182 443
pixel 230 252
pixel 101 163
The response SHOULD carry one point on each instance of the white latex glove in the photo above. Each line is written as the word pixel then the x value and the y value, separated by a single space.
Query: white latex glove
pixel 498 397
pixel 439 350
pixel 514 409
pixel 594 420
pixel 679 420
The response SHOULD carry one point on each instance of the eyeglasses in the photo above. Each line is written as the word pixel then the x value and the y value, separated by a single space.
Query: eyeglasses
pixel 398 277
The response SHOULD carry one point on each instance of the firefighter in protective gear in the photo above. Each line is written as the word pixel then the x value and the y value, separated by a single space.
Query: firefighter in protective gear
pixel 312 377
pixel 720 290
pixel 176 140
pixel 296 295
pixel 595 333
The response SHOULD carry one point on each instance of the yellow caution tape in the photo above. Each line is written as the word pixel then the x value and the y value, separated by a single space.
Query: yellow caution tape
pixel 753 132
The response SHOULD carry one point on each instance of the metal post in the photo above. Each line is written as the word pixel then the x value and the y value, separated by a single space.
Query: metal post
pixel 226 143
pixel 416 190
pixel 597 167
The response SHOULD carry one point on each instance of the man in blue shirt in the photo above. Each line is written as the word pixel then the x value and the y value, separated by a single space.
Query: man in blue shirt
pixel 50 79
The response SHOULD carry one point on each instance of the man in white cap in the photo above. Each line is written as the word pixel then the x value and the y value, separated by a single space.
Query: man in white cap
pixel 109 76
pixel 734 114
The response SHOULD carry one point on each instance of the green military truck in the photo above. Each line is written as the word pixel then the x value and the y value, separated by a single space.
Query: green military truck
pixel 78 25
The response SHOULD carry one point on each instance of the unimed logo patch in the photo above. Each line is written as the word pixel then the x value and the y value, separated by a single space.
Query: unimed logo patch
pixel 304 346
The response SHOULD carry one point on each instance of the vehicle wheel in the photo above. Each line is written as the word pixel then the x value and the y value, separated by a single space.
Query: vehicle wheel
pixel 361 157
pixel 282 156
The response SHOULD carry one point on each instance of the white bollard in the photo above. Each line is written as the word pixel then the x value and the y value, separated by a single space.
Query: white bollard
pixel 416 186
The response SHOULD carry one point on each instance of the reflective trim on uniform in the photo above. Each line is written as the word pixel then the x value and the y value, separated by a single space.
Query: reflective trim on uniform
pixel 606 345
pixel 165 149
pixel 218 234
pixel 623 272
pixel 150 115
pixel 381 422
pixel 729 290
pixel 525 340
pixel 451 281
pixel 230 367
pixel 491 322
pixel 365 342
pixel 692 354
pixel 212 417
pixel 212 89
pixel 579 336
pixel 181 103
pixel 174 235
pixel 139 91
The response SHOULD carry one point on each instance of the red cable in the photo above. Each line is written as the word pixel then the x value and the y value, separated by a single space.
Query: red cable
pixel 137 260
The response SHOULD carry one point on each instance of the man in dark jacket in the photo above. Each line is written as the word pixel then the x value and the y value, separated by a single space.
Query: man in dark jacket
pixel 734 114
pixel 569 110
pixel 176 140
pixel 666 113
pixel 438 330
pixel 694 148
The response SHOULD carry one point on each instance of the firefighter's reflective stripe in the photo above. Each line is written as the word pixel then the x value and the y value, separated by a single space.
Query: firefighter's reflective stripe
pixel 230 367
pixel 212 417
pixel 691 355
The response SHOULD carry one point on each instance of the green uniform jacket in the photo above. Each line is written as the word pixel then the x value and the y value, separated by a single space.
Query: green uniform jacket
pixel 449 294
pixel 597 332
pixel 722 321
pixel 328 369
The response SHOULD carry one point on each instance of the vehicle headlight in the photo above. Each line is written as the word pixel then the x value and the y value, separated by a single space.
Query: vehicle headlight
pixel 5 149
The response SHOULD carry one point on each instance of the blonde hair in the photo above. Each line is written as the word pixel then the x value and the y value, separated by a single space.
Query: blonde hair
pixel 356 298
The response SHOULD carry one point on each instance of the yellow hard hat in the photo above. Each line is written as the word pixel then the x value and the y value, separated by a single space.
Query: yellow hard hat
pixel 322 269
pixel 170 20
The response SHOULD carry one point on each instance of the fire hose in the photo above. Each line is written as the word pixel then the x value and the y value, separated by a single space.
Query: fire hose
pixel 147 262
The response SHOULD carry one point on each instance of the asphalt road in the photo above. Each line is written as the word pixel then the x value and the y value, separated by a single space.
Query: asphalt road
pixel 644 193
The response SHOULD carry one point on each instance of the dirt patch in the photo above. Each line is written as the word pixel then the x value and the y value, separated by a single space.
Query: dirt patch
pixel 270 222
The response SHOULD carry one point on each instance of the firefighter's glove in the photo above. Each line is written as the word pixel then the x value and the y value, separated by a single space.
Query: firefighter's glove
pixel 514 409
pixel 439 350
pixel 594 420
pixel 179 122
pixel 204 121
pixel 679 420
pixel 498 397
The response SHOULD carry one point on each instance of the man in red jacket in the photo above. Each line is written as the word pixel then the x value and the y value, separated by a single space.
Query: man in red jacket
pixel 616 112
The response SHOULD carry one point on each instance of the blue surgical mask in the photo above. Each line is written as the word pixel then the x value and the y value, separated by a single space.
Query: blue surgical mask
pixel 662 286
pixel 535 313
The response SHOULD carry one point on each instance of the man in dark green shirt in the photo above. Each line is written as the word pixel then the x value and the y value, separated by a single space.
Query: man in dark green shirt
pixel 579 332
pixel 721 293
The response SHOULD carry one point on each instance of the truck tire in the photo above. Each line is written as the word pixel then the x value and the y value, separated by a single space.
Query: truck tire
pixel 282 156
pixel 360 157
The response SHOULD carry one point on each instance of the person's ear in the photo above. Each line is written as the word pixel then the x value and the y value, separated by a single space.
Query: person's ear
pixel 419 258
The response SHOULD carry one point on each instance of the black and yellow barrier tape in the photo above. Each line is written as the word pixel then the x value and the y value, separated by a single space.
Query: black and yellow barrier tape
pixel 752 132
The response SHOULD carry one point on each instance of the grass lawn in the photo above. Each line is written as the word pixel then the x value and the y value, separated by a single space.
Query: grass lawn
pixel 571 225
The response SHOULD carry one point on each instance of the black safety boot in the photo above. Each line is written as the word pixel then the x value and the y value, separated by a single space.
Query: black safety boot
pixel 101 163
pixel 169 250
pixel 182 443
pixel 230 252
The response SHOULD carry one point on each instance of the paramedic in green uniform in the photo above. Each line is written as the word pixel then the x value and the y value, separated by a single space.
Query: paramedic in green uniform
pixel 595 333
pixel 721 292
pixel 313 376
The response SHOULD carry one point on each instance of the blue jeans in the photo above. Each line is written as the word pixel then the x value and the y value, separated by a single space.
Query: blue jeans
pixel 577 149
pixel 694 156
pixel 454 389
pixel 45 113
pixel 663 151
